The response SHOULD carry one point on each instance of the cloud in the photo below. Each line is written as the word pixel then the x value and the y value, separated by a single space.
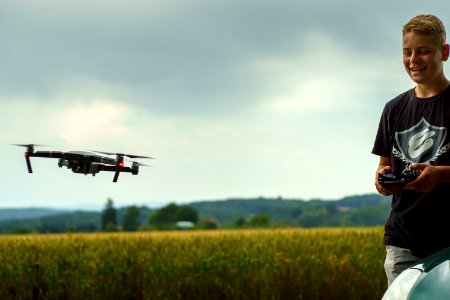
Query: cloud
pixel 323 79
pixel 175 57
pixel 99 119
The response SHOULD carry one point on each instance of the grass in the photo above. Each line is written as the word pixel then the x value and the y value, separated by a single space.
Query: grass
pixel 329 263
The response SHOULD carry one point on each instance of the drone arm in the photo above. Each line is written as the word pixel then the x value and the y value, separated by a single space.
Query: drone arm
pixel 27 159
pixel 116 175
pixel 117 169
pixel 49 154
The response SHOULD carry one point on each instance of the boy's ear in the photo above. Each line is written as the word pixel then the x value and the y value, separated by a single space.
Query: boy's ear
pixel 445 52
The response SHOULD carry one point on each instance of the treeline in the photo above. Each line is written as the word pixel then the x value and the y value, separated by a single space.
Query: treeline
pixel 363 210
pixel 110 219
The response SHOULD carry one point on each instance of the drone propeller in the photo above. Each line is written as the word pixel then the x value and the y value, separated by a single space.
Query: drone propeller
pixel 135 163
pixel 30 147
pixel 123 154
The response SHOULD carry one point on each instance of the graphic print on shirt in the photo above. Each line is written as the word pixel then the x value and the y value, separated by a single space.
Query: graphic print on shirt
pixel 421 143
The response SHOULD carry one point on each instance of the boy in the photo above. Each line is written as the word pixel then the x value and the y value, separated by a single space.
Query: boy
pixel 413 133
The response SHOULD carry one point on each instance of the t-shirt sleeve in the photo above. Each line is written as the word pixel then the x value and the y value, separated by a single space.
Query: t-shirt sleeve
pixel 383 139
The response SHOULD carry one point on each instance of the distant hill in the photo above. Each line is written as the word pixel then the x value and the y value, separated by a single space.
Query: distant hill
pixel 369 210
pixel 360 210
pixel 47 220
pixel 27 213
pixel 229 209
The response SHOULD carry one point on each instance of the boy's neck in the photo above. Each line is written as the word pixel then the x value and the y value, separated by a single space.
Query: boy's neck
pixel 430 90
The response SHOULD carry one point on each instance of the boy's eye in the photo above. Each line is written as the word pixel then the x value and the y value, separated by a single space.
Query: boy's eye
pixel 419 52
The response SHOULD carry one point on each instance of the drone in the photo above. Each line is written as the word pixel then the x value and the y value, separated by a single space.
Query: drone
pixel 84 162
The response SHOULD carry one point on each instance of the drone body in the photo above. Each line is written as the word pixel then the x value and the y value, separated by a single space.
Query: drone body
pixel 84 162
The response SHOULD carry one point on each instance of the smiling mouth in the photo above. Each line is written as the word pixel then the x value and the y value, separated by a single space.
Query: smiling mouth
pixel 417 69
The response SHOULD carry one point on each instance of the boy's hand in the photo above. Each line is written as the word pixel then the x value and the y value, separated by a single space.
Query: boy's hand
pixel 427 181
pixel 383 190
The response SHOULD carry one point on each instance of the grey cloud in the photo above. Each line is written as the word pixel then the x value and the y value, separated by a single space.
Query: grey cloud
pixel 177 56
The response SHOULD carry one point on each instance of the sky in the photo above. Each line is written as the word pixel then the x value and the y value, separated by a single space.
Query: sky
pixel 233 99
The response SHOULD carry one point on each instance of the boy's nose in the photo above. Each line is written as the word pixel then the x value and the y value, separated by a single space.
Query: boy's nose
pixel 414 57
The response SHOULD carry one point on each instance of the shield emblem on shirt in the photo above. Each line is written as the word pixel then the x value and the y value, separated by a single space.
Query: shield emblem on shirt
pixel 421 142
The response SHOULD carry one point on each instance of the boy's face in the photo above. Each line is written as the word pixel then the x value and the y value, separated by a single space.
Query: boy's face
pixel 423 58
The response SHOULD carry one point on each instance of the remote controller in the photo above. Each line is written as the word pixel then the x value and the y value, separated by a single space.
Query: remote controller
pixel 391 180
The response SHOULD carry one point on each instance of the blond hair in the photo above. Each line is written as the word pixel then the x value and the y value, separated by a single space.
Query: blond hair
pixel 429 25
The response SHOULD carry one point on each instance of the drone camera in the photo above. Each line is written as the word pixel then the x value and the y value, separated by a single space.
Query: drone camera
pixel 95 168
pixel 76 167
pixel 63 163
pixel 135 168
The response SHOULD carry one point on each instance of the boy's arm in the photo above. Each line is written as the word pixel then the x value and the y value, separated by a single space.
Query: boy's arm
pixel 429 178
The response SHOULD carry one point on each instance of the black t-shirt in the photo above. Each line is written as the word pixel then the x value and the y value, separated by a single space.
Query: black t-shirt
pixel 416 130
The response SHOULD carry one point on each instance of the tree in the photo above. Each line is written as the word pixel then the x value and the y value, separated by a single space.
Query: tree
pixel 167 216
pixel 109 216
pixel 260 220
pixel 313 214
pixel 210 223
pixel 187 213
pixel 240 222
pixel 131 218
